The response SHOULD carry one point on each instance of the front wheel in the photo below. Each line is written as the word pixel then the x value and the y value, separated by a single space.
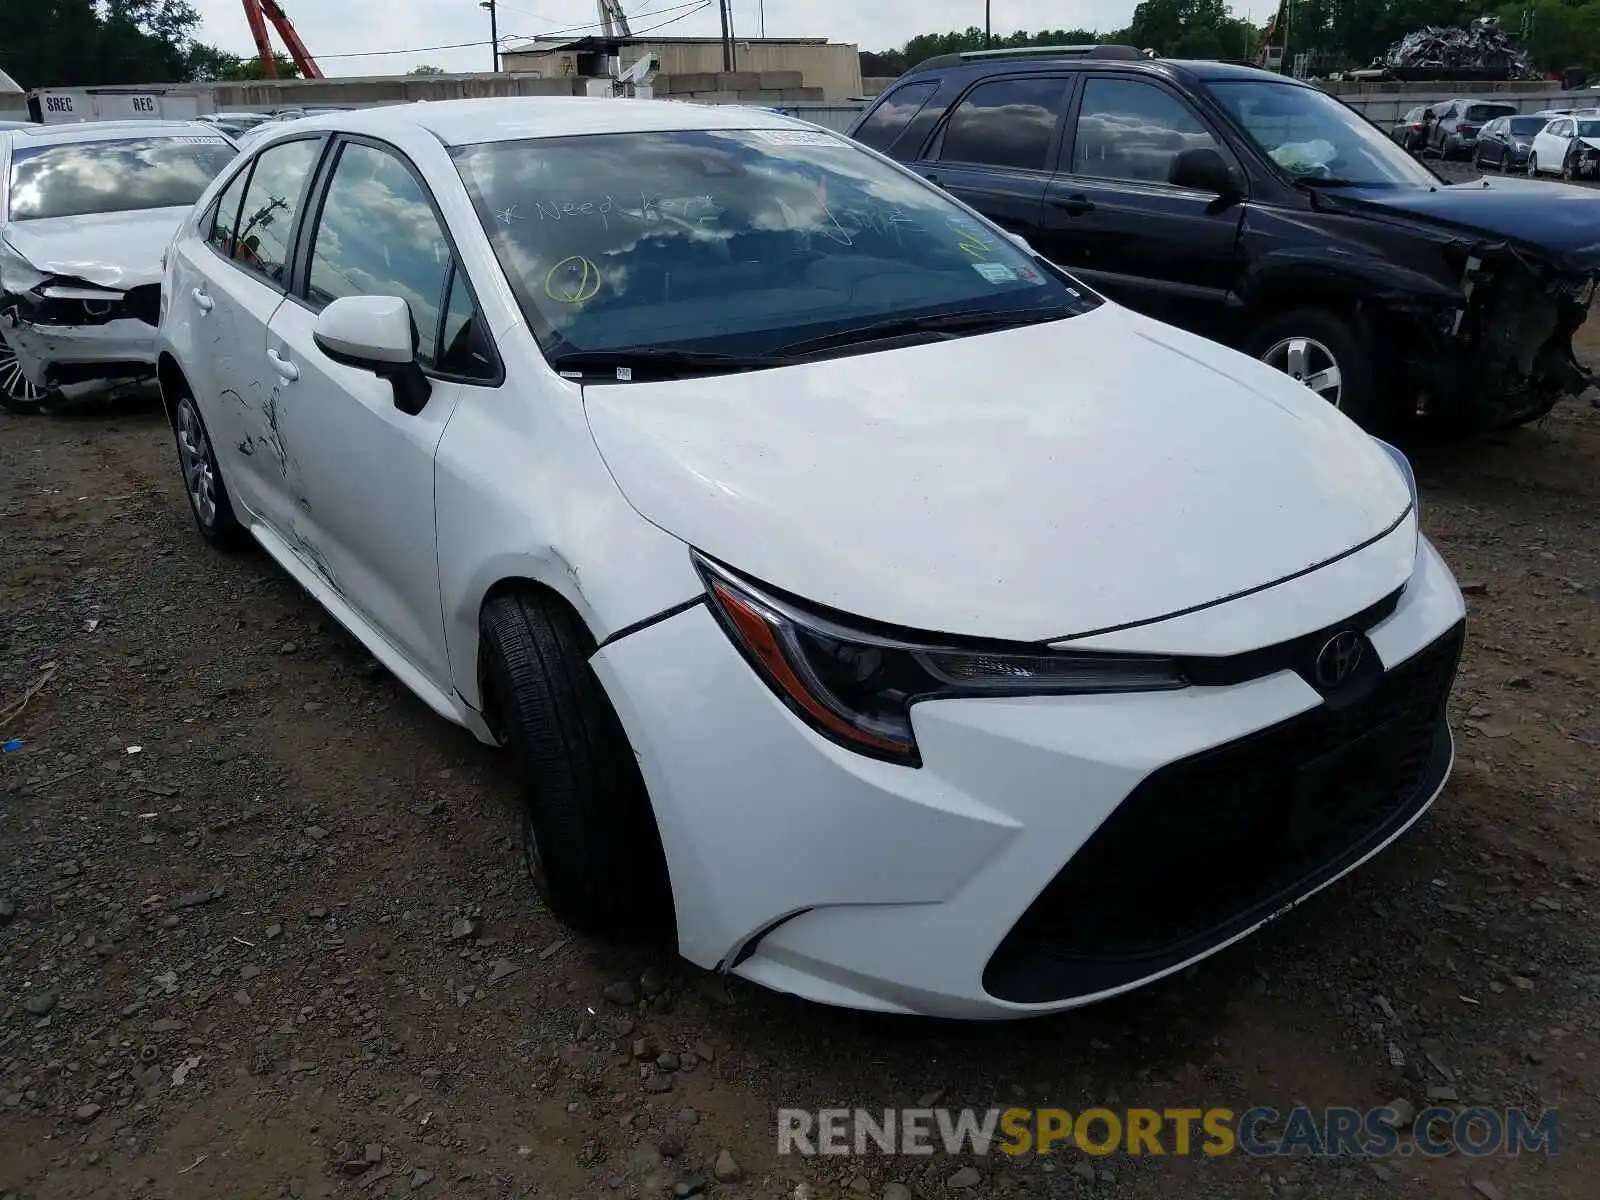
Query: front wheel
pixel 1569 168
pixel 1533 165
pixel 17 395
pixel 1324 352
pixel 589 837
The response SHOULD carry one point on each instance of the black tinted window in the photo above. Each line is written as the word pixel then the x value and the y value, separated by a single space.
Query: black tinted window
pixel 1006 123
pixel 377 236
pixel 113 176
pixel 271 203
pixel 1133 130
pixel 892 116
pixel 463 342
pixel 1527 126
pixel 225 220
pixel 1483 112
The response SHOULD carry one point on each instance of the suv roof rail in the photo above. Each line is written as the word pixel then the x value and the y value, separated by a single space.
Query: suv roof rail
pixel 1095 50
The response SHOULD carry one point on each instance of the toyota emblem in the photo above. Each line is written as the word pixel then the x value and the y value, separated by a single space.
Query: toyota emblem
pixel 1338 659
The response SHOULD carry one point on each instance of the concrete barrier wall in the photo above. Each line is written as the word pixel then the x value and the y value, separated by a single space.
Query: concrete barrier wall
pixel 1386 108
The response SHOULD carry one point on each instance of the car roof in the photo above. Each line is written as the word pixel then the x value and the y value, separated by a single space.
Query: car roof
pixel 510 118
pixel 1191 68
pixel 106 131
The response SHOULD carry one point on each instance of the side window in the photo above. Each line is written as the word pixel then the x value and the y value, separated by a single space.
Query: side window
pixel 271 203
pixel 224 230
pixel 1006 123
pixel 894 113
pixel 463 342
pixel 1134 131
pixel 377 236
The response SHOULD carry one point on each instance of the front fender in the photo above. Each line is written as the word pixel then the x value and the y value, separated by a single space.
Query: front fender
pixel 1322 270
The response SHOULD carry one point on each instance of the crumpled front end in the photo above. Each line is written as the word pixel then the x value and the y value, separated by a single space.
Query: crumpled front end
pixel 73 336
pixel 1503 356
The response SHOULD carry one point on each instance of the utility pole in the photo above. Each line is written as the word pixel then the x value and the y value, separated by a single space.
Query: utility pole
pixel 494 30
pixel 762 10
pixel 727 36
pixel 988 24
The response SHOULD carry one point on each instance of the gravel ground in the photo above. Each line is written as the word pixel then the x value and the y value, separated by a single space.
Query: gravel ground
pixel 263 931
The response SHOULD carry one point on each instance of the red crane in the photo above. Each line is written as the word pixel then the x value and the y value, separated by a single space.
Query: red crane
pixel 258 13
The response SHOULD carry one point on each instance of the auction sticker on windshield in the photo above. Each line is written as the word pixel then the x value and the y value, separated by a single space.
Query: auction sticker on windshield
pixel 795 137
pixel 995 272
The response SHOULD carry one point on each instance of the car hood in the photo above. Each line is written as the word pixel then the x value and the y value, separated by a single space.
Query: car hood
pixel 1560 220
pixel 1031 484
pixel 110 250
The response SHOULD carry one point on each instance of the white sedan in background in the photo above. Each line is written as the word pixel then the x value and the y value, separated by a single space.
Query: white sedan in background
pixel 906 625
pixel 85 212
pixel 1568 146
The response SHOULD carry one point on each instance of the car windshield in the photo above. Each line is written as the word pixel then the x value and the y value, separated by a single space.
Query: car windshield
pixel 738 242
pixel 1589 128
pixel 113 176
pixel 1315 138
pixel 1528 125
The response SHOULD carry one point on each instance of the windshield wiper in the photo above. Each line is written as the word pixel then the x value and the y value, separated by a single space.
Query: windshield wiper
pixel 968 321
pixel 1327 181
pixel 626 362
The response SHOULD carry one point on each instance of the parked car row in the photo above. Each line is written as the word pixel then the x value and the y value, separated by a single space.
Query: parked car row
pixel 1262 212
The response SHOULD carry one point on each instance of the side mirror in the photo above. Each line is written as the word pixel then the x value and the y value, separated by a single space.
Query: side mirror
pixel 377 334
pixel 1204 170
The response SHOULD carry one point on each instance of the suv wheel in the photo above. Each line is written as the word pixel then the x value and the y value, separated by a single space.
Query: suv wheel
pixel 1323 352
pixel 17 395
pixel 1533 164
pixel 589 837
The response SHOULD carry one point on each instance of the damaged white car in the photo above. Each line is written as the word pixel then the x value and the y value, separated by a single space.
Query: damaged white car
pixel 86 212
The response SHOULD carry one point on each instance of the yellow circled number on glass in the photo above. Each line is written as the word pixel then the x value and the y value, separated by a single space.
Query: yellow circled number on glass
pixel 573 280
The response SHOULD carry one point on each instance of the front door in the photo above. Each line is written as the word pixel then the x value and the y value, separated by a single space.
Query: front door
pixel 367 517
pixel 1112 218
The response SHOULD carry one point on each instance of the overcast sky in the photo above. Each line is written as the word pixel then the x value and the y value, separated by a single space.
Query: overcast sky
pixel 346 27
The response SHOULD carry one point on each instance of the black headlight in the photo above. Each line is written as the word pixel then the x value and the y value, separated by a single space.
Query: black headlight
pixel 856 686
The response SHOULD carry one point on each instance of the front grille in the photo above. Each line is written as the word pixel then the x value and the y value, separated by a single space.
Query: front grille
pixel 1208 846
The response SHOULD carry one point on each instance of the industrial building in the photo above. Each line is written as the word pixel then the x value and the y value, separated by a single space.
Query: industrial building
pixel 824 70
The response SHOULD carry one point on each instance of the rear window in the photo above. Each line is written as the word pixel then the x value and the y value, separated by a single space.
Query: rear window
pixel 1487 112
pixel 1528 124
pixel 113 176
pixel 735 241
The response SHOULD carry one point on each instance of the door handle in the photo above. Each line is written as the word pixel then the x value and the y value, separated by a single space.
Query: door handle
pixel 202 301
pixel 1074 205
pixel 283 366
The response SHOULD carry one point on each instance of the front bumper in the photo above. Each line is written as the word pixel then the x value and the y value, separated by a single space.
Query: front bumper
pixel 82 358
pixel 995 880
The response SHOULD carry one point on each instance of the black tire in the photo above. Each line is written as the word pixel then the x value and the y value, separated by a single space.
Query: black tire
pixel 17 396
pixel 1533 165
pixel 1569 168
pixel 1359 397
pixel 589 837
pixel 216 522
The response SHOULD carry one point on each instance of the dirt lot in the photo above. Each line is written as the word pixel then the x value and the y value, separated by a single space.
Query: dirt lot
pixel 263 930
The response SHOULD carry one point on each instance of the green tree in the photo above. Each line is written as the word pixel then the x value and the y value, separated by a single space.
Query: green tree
pixel 425 69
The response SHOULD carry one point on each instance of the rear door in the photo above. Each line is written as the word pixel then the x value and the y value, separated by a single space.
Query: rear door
pixel 1112 218
pixel 230 280
pixel 998 146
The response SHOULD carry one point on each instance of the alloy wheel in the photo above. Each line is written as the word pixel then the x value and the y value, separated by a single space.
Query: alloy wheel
pixel 1309 362
pixel 199 468
pixel 13 383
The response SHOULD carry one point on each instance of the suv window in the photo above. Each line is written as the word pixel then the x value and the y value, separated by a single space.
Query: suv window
pixel 1006 123
pixel 893 114
pixel 1482 112
pixel 1132 130
pixel 377 235
pixel 271 203
pixel 225 218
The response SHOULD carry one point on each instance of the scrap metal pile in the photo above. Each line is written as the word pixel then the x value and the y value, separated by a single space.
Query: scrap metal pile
pixel 1481 51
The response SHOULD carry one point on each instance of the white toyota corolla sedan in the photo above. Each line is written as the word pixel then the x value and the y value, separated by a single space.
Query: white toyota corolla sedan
pixel 915 628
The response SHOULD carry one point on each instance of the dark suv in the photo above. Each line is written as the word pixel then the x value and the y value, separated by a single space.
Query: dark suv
pixel 1264 213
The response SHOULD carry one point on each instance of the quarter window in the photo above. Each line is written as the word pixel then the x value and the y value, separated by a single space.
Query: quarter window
pixel 1006 123
pixel 225 221
pixel 378 236
pixel 271 203
pixel 1134 131
pixel 891 117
